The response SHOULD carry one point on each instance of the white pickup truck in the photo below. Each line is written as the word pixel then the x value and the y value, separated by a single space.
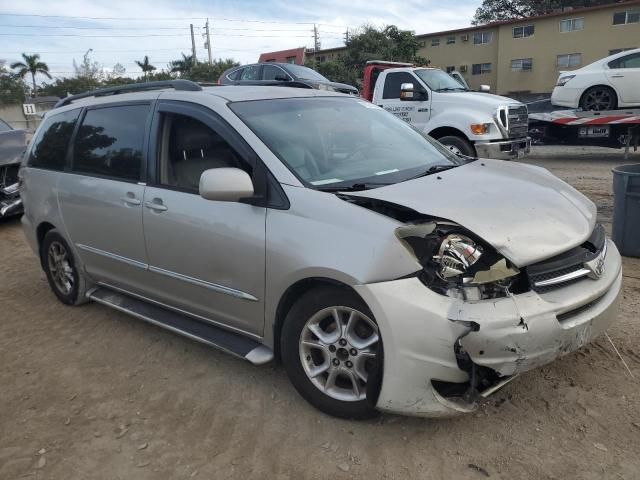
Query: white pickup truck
pixel 470 123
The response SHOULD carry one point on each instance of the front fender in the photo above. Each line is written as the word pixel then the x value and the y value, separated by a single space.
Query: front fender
pixel 461 119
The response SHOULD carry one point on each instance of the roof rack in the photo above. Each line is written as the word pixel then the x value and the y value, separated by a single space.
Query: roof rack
pixel 183 85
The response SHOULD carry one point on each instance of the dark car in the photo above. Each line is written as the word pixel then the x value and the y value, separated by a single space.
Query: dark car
pixel 270 72
pixel 12 145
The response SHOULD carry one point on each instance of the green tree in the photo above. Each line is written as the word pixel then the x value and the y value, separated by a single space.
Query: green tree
pixel 371 43
pixel 12 87
pixel 31 65
pixel 495 10
pixel 145 66
pixel 203 72
pixel 182 66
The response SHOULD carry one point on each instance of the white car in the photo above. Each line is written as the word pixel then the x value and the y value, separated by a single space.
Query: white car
pixel 610 83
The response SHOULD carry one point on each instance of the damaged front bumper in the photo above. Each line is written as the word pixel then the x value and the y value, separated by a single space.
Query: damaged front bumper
pixel 426 335
pixel 10 201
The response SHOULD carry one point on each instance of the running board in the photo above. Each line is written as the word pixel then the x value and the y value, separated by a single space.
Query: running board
pixel 230 342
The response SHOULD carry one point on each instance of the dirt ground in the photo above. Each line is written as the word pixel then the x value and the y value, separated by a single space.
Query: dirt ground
pixel 90 393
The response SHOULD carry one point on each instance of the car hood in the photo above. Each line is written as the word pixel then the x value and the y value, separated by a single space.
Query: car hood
pixel 523 211
pixel 12 145
pixel 340 87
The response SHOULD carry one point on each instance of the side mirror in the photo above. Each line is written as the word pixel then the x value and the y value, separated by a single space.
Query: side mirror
pixel 281 78
pixel 485 88
pixel 225 184
pixel 409 93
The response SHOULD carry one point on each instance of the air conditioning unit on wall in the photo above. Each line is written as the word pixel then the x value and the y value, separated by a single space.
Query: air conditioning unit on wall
pixel 463 68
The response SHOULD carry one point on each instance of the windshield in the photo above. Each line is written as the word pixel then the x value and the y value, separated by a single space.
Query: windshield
pixel 305 73
pixel 330 143
pixel 438 80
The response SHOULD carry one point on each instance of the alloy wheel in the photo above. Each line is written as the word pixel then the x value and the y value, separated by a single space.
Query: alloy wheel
pixel 598 100
pixel 60 268
pixel 337 351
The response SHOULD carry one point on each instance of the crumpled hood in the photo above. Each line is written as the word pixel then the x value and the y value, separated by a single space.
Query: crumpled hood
pixel 523 211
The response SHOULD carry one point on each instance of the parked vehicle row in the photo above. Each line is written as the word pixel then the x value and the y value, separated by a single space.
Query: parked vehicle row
pixel 314 227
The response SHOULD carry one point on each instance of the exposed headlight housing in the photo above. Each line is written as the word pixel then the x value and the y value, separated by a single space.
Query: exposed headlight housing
pixel 328 88
pixel 562 81
pixel 457 264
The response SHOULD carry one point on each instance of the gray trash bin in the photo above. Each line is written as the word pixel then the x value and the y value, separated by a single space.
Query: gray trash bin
pixel 626 209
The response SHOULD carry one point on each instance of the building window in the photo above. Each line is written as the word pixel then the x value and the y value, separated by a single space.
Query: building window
pixel 435 42
pixel 571 24
pixel 451 69
pixel 524 31
pixel 291 59
pixel 630 16
pixel 480 68
pixel 522 65
pixel 620 50
pixel 569 60
pixel 451 40
pixel 322 59
pixel 482 38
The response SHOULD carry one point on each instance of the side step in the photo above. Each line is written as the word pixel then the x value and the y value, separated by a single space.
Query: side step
pixel 209 334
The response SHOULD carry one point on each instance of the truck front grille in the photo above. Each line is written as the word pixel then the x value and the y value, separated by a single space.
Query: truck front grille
pixel 518 121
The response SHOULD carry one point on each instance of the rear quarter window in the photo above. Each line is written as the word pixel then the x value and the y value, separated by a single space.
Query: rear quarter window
pixel 110 141
pixel 49 148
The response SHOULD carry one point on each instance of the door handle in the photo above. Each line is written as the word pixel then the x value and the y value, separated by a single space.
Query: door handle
pixel 617 76
pixel 130 199
pixel 156 205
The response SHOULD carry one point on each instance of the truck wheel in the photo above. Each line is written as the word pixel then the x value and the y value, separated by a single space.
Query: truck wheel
pixel 458 145
pixel 599 99
pixel 330 348
pixel 66 280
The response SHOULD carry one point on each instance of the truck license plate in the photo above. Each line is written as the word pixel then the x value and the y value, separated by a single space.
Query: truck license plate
pixel 594 131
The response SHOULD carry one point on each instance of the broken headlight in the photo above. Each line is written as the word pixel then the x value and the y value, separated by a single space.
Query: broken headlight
pixel 457 264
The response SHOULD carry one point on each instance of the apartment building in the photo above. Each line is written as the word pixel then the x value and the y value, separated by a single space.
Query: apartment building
pixel 524 56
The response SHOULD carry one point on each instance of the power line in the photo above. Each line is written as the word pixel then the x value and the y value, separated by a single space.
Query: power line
pixel 152 28
pixel 167 19
pixel 140 36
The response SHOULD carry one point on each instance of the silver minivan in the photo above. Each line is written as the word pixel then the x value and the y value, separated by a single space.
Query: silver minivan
pixel 314 228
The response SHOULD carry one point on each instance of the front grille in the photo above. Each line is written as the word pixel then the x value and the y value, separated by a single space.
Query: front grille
pixel 566 263
pixel 518 121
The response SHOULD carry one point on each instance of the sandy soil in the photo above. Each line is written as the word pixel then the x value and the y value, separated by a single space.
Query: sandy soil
pixel 91 393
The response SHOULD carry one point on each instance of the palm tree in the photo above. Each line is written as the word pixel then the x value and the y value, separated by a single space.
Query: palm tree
pixel 145 66
pixel 182 66
pixel 32 65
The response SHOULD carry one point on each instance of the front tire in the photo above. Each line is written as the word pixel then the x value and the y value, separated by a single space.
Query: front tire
pixel 458 145
pixel 66 280
pixel 599 99
pixel 331 347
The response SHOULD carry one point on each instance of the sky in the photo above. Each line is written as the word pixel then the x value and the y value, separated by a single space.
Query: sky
pixel 124 31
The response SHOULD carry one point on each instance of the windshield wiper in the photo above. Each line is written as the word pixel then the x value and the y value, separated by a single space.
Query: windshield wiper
pixel 354 187
pixel 449 89
pixel 433 169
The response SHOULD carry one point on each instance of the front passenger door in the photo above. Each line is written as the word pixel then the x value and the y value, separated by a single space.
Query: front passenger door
pixel 414 112
pixel 205 257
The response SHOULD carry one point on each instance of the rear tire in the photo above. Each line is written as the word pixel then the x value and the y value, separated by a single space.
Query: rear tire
pixel 458 145
pixel 66 279
pixel 599 99
pixel 330 370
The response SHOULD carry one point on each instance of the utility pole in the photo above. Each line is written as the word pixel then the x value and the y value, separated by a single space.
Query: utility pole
pixel 206 27
pixel 316 39
pixel 193 45
pixel 346 37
